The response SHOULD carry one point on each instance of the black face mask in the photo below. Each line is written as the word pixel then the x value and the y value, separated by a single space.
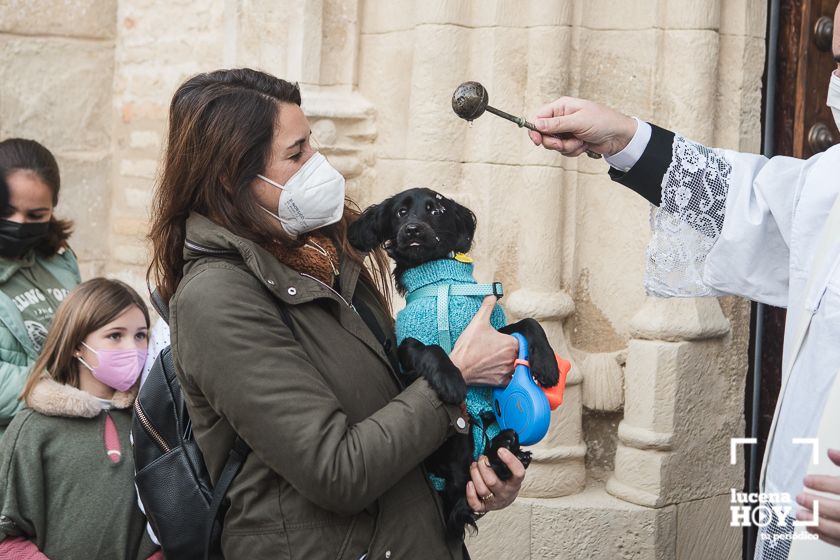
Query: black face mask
pixel 17 239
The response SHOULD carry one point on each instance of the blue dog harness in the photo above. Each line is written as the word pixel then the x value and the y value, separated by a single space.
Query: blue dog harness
pixel 442 293
pixel 447 289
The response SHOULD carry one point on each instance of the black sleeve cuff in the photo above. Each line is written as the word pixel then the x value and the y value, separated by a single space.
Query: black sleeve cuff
pixel 646 176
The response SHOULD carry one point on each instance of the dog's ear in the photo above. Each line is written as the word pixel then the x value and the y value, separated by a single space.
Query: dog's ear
pixel 372 228
pixel 465 223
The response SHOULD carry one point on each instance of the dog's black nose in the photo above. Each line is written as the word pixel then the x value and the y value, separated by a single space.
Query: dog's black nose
pixel 412 230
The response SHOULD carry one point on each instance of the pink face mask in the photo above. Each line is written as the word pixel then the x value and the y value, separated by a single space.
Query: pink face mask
pixel 118 369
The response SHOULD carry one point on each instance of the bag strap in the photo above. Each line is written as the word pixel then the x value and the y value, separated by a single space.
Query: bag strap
pixel 236 458
pixel 160 305
pixel 373 325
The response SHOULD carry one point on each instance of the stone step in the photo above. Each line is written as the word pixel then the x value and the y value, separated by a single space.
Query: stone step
pixel 593 525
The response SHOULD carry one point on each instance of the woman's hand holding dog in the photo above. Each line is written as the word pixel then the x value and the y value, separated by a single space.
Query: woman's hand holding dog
pixel 486 492
pixel 484 355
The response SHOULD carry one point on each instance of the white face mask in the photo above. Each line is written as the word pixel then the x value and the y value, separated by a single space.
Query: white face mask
pixel 833 100
pixel 312 198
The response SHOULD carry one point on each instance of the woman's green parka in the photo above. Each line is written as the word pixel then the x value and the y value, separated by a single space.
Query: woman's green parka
pixel 337 444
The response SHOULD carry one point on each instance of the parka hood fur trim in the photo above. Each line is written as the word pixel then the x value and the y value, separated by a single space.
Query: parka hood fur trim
pixel 54 399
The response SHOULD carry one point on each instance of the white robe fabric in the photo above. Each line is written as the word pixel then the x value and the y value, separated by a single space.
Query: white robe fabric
pixel 775 210
pixel 742 224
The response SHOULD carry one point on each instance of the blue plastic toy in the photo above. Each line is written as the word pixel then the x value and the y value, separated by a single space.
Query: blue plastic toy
pixel 523 406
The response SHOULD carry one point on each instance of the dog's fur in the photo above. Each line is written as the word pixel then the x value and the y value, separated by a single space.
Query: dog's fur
pixel 417 226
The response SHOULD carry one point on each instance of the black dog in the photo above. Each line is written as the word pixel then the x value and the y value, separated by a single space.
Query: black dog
pixel 416 227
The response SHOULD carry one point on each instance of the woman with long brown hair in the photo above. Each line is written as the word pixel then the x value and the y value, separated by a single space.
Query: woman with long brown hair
pixel 37 267
pixel 250 225
pixel 65 461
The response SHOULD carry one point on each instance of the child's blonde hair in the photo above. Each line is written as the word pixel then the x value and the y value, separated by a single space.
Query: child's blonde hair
pixel 89 307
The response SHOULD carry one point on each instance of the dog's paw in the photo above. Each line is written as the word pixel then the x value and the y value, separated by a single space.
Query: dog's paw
pixel 524 457
pixel 432 363
pixel 508 439
pixel 444 377
pixel 460 519
pixel 541 356
pixel 409 353
pixel 544 367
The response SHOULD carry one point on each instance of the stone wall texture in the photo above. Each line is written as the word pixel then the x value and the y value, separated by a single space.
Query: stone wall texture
pixel 636 463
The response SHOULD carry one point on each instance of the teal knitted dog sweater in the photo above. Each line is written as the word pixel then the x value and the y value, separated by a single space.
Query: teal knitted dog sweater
pixel 419 320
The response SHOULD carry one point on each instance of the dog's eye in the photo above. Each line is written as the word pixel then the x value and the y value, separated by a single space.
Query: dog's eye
pixel 402 212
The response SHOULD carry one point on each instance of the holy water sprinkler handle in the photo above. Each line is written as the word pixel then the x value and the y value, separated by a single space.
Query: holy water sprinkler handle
pixel 470 100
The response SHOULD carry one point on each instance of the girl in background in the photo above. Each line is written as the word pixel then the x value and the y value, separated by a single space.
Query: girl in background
pixel 37 267
pixel 66 467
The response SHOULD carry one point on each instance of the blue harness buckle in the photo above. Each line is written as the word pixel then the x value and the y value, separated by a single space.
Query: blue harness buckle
pixel 498 290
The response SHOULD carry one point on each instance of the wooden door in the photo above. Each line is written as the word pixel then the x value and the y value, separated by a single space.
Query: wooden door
pixel 804 125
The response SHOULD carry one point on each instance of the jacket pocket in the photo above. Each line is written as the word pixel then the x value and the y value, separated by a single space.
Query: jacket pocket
pixel 259 546
pixel 358 536
pixel 309 531
pixel 410 529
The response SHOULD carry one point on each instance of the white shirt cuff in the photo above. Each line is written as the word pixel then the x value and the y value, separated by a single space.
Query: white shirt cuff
pixel 632 152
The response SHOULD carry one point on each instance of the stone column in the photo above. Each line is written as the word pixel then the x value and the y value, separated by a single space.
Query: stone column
pixel 681 406
pixel 558 460
pixel 343 120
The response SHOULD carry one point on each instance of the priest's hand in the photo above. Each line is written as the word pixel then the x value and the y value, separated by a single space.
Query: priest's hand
pixel 582 125
pixel 828 528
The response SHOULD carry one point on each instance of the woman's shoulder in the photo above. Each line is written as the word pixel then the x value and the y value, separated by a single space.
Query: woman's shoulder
pixel 210 294
pixel 215 281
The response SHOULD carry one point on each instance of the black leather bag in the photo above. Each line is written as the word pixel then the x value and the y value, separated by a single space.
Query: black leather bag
pixel 171 478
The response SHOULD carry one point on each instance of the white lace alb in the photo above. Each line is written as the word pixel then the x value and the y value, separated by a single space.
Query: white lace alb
pixel 688 222
pixel 774 540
